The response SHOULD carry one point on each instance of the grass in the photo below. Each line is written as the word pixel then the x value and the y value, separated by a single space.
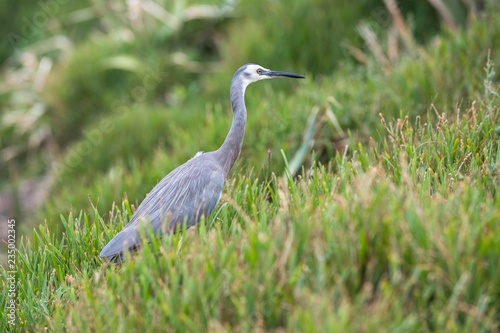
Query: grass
pixel 157 138
pixel 400 235
pixel 391 224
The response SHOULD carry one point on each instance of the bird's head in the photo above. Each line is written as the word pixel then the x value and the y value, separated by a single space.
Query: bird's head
pixel 250 73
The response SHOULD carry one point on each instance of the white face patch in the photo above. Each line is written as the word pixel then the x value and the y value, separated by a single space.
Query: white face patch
pixel 252 74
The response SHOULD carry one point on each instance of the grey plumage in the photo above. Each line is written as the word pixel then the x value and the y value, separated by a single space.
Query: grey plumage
pixel 193 189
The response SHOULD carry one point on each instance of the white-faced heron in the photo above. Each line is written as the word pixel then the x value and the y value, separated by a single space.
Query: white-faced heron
pixel 193 189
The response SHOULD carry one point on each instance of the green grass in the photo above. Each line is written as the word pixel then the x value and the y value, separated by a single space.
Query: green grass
pixel 391 225
pixel 401 236
pixel 148 140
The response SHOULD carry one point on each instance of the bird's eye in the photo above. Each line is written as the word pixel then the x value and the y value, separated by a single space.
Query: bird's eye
pixel 259 71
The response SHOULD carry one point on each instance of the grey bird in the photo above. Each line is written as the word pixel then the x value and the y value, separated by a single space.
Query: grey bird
pixel 193 189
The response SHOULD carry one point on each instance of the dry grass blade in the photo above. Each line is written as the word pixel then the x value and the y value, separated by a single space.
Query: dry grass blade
pixel 202 12
pixel 374 45
pixel 355 52
pixel 307 142
pixel 444 13
pixel 158 12
pixel 392 44
pixel 400 24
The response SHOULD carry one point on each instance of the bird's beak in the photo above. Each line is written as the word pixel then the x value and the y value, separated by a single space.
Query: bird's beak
pixel 281 74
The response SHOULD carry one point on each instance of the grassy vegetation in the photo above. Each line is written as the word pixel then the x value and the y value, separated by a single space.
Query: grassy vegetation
pixel 401 237
pixel 157 139
pixel 390 224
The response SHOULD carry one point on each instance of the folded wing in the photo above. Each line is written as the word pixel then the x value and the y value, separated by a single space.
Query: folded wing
pixel 185 195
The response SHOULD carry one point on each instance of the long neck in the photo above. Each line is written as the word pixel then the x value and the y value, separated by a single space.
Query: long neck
pixel 231 148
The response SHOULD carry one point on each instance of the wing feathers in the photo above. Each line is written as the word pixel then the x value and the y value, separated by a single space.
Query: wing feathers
pixel 188 192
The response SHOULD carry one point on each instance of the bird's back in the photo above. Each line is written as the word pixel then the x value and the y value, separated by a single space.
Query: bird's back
pixel 189 192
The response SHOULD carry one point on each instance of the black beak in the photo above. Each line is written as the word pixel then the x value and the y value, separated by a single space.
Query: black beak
pixel 282 74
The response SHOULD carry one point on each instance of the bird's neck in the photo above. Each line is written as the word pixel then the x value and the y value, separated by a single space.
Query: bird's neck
pixel 231 148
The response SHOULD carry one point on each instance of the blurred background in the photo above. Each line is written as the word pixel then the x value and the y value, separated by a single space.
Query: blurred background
pixel 100 99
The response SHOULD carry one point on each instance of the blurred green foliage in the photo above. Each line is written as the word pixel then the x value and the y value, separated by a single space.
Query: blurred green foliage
pixel 128 98
pixel 100 78
pixel 305 35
